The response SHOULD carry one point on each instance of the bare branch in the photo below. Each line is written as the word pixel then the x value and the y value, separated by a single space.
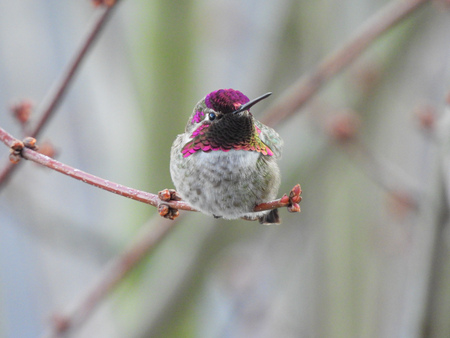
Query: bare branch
pixel 80 175
pixel 308 85
pixel 146 241
pixel 149 236
pixel 60 88
pixel 291 202
pixel 343 130
pixel 56 93
pixel 23 149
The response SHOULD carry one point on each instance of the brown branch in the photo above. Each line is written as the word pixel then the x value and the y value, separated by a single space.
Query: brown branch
pixel 308 85
pixel 295 97
pixel 62 84
pixel 149 236
pixel 291 202
pixel 19 150
pixel 85 177
pixel 145 241
pixel 58 90
pixel 343 130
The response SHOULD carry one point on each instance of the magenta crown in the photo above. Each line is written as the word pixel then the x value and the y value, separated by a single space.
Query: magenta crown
pixel 225 100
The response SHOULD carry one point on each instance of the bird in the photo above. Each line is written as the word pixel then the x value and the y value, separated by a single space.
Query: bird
pixel 225 162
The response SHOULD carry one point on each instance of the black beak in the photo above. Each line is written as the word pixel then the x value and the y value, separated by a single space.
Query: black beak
pixel 246 106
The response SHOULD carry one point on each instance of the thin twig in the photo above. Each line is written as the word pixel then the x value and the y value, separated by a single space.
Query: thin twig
pixel 96 181
pixel 287 105
pixel 150 235
pixel 62 84
pixel 137 195
pixel 56 93
pixel 343 130
pixel 308 85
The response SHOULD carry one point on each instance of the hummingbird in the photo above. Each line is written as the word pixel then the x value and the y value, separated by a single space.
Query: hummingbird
pixel 224 164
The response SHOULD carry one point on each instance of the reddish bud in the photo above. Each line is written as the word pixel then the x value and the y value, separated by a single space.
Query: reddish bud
pixel 447 98
pixel 17 146
pixel 344 127
pixel 174 196
pixel 108 3
pixel 294 195
pixel 169 195
pixel 294 207
pixel 164 195
pixel 284 199
pixel 15 151
pixel 14 157
pixel 163 210
pixel 47 149
pixel 426 115
pixel 167 212
pixel 22 110
pixel 400 203
pixel 30 143
pixel 174 213
pixel 61 323
pixel 296 199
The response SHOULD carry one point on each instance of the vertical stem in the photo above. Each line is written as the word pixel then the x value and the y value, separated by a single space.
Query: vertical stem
pixel 150 235
pixel 424 260
pixel 308 85
pixel 431 291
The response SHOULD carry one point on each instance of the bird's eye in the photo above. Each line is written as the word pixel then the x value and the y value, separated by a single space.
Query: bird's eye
pixel 212 116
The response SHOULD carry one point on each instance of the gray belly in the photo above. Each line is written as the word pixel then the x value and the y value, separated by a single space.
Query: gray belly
pixel 226 184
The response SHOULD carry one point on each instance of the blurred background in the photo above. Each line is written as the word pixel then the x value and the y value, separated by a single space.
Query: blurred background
pixel 368 256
